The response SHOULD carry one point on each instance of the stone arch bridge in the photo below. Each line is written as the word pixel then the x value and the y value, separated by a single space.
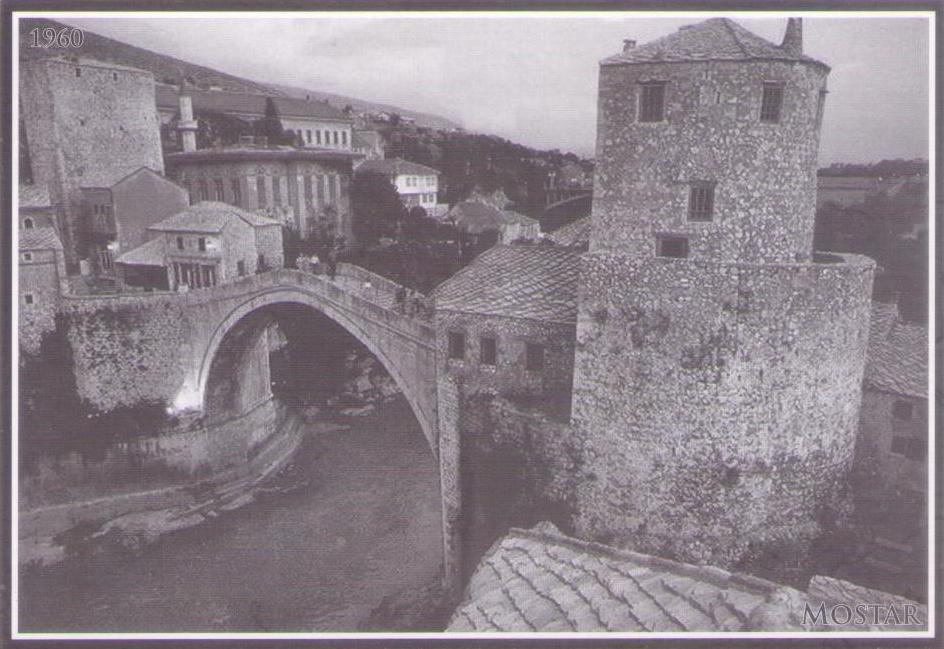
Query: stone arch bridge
pixel 130 349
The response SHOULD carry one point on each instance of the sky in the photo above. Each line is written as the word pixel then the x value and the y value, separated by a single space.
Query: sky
pixel 533 79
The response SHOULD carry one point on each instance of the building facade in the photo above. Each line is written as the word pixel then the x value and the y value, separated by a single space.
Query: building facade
pixel 88 124
pixel 307 190
pixel 42 281
pixel 115 219
pixel 719 360
pixel 416 184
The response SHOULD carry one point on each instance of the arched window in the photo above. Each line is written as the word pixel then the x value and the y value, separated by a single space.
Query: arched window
pixel 28 223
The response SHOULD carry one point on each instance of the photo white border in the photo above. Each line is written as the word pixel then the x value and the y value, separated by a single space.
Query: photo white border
pixel 505 15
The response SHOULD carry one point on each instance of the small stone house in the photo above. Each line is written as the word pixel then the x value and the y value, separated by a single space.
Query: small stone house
pixel 480 220
pixel 506 322
pixel 206 244
pixel 893 426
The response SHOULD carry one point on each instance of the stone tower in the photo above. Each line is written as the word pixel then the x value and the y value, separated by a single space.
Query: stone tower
pixel 719 359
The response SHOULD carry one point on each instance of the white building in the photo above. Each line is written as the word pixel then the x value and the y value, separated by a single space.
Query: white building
pixel 417 185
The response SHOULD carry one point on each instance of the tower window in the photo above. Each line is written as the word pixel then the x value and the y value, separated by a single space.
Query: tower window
pixel 78 72
pixel 652 102
pixel 488 350
pixel 820 107
pixel 772 103
pixel 241 268
pixel 28 223
pixel 671 246
pixel 202 244
pixel 27 256
pixel 701 201
pixel 534 357
pixel 903 410
pixel 456 345
pixel 28 298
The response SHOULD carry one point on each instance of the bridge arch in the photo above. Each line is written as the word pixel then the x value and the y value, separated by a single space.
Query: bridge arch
pixel 397 360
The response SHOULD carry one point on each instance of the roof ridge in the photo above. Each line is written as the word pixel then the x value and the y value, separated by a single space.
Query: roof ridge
pixel 727 24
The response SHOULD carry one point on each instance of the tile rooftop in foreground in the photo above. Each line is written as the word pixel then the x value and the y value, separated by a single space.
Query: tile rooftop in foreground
pixel 521 281
pixel 541 580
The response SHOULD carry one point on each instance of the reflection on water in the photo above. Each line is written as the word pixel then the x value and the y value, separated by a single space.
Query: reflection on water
pixel 364 528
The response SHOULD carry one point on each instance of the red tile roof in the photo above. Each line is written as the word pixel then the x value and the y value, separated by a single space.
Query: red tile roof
pixel 534 282
pixel 223 101
pixel 148 254
pixel 716 39
pixel 211 217
pixel 44 238
pixel 396 167
pixel 477 217
pixel 36 195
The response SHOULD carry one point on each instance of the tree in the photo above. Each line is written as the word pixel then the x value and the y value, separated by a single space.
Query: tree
pixel 376 207
pixel 270 126
pixel 217 129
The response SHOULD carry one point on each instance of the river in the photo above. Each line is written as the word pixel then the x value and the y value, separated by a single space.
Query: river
pixel 356 545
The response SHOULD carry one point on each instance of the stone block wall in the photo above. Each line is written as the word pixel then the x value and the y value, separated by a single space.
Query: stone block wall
pixel 88 124
pixel 509 375
pixel 764 199
pixel 718 403
pixel 876 463
pixel 39 277
pixel 269 244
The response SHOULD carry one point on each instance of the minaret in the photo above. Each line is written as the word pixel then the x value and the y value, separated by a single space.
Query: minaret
pixel 719 359
pixel 187 125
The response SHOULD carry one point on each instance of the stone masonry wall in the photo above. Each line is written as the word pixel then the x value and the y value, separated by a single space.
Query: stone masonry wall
pixel 88 125
pixel 718 403
pixel 764 201
pixel 39 277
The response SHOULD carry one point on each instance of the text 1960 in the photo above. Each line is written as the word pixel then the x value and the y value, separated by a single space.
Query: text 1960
pixel 56 37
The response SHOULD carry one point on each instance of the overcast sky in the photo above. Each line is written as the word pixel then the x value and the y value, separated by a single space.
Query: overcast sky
pixel 534 79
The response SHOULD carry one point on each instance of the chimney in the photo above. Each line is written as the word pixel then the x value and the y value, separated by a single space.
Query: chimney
pixel 628 44
pixel 187 125
pixel 793 37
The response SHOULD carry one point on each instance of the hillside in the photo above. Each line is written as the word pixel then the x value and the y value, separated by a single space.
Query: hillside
pixel 168 69
pixel 360 106
pixel 165 68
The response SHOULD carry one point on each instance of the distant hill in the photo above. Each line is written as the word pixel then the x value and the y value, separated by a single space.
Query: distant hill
pixel 166 69
pixel 360 106
pixel 172 70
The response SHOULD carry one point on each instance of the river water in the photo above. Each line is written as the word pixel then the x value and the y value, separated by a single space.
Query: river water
pixel 358 540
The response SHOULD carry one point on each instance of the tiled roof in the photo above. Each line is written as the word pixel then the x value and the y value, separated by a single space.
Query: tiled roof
pixel 34 195
pixel 245 152
pixel 209 216
pixel 574 234
pixel 716 39
pixel 396 167
pixel 898 354
pixel 540 580
pixel 246 103
pixel 39 239
pixel 536 282
pixel 107 177
pixel 477 217
pixel 148 254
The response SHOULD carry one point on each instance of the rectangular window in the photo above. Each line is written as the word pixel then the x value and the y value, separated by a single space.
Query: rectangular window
pixel 335 137
pixel 276 190
pixel 308 190
pixel 204 191
pixel 701 201
pixel 317 137
pixel 240 268
pixel 202 244
pixel 488 350
pixel 28 298
pixel 771 103
pixel 308 135
pixel 332 189
pixel 237 192
pixel 344 137
pixel 261 191
pixel 218 190
pixel 180 243
pixel 321 190
pixel 456 345
pixel 903 410
pixel 27 256
pixel 261 263
pixel 534 357
pixel 652 102
pixel 671 246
